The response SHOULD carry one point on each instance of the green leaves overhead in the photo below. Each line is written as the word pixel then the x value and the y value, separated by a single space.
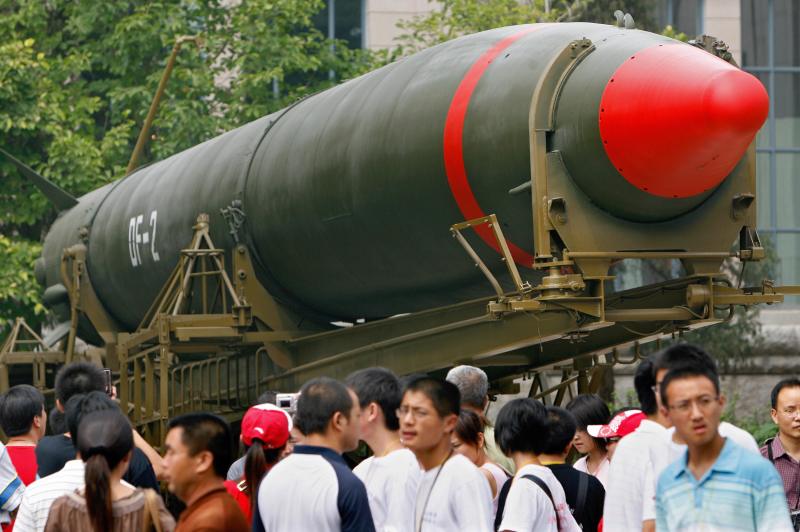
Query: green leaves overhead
pixel 77 79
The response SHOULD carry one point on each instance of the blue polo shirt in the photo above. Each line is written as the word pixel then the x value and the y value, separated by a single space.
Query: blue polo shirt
pixel 740 491
pixel 312 489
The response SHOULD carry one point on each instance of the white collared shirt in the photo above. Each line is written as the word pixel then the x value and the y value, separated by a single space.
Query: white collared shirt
pixel 600 474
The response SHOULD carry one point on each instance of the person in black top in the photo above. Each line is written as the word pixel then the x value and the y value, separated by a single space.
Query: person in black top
pixel 585 494
pixel 52 452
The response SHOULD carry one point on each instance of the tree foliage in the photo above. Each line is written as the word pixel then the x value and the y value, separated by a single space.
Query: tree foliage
pixel 77 79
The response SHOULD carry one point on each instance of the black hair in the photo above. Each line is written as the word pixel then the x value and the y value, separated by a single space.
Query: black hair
pixel 521 426
pixel 791 382
pixel 444 395
pixel 561 427
pixel 379 386
pixel 80 405
pixel 682 355
pixel 320 399
pixel 644 380
pixel 469 427
pixel 685 372
pixel 203 431
pixel 18 407
pixel 269 396
pixel 589 409
pixel 78 377
pixel 105 440
pixel 57 421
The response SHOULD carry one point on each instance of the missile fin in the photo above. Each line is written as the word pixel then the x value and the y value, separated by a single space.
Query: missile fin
pixel 59 197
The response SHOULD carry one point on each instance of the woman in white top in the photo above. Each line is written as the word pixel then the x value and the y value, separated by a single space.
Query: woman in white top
pixel 589 409
pixel 468 440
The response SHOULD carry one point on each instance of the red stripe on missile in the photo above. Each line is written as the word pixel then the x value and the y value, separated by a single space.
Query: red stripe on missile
pixel 676 120
pixel 454 146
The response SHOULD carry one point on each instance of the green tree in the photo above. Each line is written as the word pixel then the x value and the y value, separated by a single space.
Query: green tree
pixel 77 78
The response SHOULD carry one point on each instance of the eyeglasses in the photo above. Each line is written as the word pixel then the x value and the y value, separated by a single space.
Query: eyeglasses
pixel 703 403
pixel 790 412
pixel 416 413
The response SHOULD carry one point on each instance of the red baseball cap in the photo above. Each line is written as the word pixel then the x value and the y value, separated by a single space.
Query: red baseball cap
pixel 620 425
pixel 267 423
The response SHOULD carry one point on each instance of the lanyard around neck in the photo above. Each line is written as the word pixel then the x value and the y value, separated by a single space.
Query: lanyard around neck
pixel 433 485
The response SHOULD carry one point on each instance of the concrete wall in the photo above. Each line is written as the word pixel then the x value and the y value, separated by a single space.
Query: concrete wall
pixel 382 17
pixel 723 19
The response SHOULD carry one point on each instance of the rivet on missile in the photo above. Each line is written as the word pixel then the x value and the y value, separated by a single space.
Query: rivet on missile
pixel 241 274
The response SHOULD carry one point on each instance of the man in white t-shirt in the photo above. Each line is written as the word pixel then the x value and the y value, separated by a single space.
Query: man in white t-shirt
pixel 392 474
pixel 638 459
pixel 521 431
pixel 453 496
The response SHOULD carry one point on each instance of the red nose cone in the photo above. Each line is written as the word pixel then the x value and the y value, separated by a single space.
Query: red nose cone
pixel 675 120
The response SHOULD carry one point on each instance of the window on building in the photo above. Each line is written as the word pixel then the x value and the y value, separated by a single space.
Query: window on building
pixel 771 51
pixel 685 16
pixel 343 19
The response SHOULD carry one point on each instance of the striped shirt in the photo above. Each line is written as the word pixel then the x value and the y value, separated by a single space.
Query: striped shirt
pixel 740 491
pixel 39 496
pixel 788 468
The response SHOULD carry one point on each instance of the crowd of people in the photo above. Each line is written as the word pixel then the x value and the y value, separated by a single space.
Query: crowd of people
pixel 436 464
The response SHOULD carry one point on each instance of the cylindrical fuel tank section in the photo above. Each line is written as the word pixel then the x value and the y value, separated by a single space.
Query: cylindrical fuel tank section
pixel 350 193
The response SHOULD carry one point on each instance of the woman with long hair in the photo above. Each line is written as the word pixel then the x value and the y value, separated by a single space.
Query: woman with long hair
pixel 469 441
pixel 106 503
pixel 266 436
pixel 590 409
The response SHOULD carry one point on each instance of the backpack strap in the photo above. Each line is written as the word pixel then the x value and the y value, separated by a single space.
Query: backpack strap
pixel 501 499
pixel 768 443
pixel 583 487
pixel 501 503
pixel 541 483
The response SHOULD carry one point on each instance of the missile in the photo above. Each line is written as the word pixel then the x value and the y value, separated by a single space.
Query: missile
pixel 345 197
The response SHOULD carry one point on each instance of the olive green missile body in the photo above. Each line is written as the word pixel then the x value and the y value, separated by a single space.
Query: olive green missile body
pixel 345 198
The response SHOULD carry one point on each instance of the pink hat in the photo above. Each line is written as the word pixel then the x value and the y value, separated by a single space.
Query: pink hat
pixel 620 425
pixel 267 423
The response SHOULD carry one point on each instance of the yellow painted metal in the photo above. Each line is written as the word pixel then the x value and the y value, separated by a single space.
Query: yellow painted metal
pixel 23 347
pixel 541 121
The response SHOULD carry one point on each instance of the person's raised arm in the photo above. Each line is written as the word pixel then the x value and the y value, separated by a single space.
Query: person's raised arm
pixel 152 455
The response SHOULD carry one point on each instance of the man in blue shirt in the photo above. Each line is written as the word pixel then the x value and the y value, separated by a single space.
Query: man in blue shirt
pixel 313 489
pixel 715 485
